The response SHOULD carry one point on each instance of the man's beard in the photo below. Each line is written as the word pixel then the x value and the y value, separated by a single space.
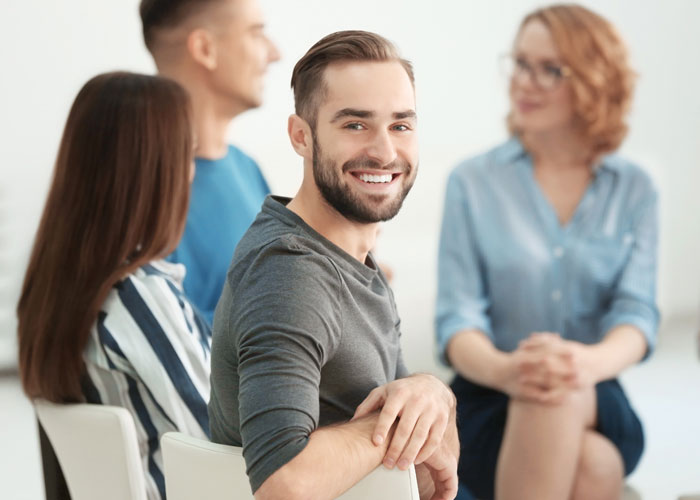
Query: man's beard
pixel 345 201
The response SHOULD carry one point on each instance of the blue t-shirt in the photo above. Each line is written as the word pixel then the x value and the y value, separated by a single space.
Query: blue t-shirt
pixel 226 196
pixel 507 266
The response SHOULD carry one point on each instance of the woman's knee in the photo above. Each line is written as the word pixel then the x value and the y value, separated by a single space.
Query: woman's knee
pixel 573 405
pixel 582 403
pixel 600 469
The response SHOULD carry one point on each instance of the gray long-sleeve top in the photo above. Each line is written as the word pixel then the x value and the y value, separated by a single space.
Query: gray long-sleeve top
pixel 302 333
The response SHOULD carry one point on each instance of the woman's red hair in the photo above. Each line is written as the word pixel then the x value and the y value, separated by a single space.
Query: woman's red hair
pixel 602 80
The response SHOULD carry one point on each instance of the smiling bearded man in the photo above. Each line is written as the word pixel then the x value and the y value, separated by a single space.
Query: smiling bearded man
pixel 307 370
pixel 342 200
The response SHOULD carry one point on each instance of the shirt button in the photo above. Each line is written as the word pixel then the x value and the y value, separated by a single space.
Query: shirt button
pixel 558 252
pixel 556 295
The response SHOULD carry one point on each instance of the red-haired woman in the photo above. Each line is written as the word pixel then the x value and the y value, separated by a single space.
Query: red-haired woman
pixel 102 318
pixel 547 274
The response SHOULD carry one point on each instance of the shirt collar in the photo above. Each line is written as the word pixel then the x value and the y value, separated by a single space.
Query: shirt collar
pixel 174 270
pixel 513 150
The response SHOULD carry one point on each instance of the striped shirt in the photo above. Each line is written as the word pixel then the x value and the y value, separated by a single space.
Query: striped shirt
pixel 149 352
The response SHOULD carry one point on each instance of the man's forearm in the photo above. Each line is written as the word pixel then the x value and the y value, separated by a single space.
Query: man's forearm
pixel 335 458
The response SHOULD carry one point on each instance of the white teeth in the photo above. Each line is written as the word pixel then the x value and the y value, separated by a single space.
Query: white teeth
pixel 375 178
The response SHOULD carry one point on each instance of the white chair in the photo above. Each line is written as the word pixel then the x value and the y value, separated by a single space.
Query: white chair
pixel 97 449
pixel 195 468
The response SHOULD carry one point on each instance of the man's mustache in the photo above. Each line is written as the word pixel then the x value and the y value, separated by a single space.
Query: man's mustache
pixel 368 163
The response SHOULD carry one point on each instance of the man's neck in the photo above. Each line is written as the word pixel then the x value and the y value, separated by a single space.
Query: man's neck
pixel 210 127
pixel 355 238
pixel 211 117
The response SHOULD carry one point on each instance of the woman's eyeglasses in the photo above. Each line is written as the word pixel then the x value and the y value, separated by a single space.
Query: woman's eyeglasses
pixel 544 75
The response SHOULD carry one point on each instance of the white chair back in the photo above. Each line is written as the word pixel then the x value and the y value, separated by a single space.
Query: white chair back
pixel 195 468
pixel 97 449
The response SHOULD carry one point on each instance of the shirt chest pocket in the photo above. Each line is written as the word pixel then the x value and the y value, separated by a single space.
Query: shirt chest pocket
pixel 596 271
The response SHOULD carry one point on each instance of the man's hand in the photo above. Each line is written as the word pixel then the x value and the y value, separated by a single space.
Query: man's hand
pixel 441 466
pixel 423 405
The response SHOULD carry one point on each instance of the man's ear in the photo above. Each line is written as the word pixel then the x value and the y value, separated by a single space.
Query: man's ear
pixel 201 47
pixel 300 136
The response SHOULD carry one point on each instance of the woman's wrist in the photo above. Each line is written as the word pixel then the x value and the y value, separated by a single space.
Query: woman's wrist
pixel 502 369
pixel 622 346
pixel 474 357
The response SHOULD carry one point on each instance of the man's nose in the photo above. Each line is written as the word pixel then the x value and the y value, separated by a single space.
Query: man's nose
pixel 382 148
pixel 273 51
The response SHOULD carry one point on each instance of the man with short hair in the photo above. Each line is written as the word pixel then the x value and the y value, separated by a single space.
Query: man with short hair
pixel 307 371
pixel 218 51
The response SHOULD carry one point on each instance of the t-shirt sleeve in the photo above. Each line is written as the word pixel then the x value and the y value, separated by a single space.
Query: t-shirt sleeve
pixel 257 176
pixel 263 183
pixel 287 320
pixel 401 370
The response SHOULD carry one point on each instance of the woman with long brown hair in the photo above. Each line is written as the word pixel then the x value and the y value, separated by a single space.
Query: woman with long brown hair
pixel 547 273
pixel 102 318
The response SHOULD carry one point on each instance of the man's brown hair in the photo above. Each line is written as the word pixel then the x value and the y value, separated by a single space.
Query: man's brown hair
pixel 118 200
pixel 164 14
pixel 362 46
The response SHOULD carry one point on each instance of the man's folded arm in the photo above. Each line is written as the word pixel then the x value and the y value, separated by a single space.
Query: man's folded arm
pixel 284 339
pixel 334 459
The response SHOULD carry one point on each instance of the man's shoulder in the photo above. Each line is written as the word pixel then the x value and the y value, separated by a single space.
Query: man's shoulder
pixel 281 279
pixel 278 251
pixel 288 256
pixel 234 159
pixel 240 158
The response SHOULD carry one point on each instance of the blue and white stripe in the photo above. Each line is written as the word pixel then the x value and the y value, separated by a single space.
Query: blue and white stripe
pixel 149 352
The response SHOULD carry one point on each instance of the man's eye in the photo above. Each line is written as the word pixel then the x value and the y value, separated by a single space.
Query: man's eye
pixel 401 127
pixel 354 126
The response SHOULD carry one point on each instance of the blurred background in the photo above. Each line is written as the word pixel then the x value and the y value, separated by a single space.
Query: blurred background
pixel 49 49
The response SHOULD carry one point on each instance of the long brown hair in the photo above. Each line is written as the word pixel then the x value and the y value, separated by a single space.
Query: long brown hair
pixel 118 199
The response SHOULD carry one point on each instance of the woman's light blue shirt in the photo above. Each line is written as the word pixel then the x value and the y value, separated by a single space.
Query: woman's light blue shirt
pixel 507 266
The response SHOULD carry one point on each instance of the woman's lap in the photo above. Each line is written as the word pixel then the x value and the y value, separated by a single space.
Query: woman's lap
pixel 482 414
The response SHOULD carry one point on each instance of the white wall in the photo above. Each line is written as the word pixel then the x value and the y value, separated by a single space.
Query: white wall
pixel 49 49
